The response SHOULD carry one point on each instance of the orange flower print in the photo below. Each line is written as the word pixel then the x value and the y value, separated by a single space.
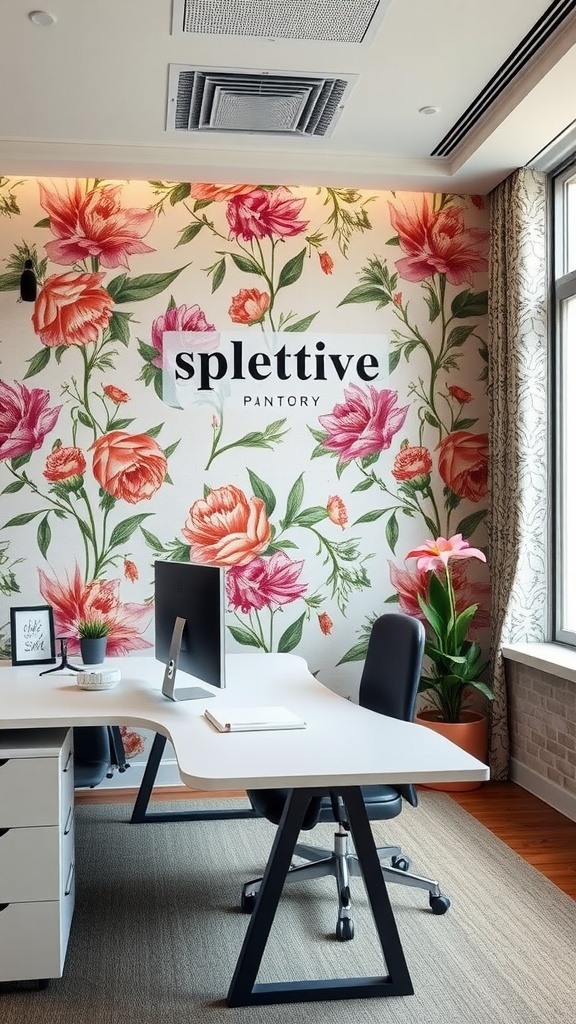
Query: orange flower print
pixel 90 223
pixel 71 309
pixel 227 528
pixel 249 306
pixel 115 394
pixel 218 193
pixel 326 262
pixel 463 464
pixel 128 466
pixel 397 298
pixel 336 510
pixel 130 570
pixel 325 623
pixel 411 461
pixel 64 463
pixel 460 394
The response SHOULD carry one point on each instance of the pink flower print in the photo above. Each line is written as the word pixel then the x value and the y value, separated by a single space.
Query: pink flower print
pixel 263 213
pixel 91 223
pixel 264 582
pixel 73 600
pixel 364 424
pixel 184 318
pixel 25 419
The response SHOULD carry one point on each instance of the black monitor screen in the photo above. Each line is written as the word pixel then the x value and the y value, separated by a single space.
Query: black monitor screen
pixel 195 594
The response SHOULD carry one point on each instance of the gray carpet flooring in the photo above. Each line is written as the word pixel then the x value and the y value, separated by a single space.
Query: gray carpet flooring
pixel 157 929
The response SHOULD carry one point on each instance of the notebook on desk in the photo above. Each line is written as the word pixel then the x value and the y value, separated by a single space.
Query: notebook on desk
pixel 251 719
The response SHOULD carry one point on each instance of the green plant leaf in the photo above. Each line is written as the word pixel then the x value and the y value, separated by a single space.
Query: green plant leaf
pixel 366 293
pixel 292 636
pixel 22 519
pixel 311 516
pixel 245 637
pixel 468 303
pixel 392 532
pixel 135 289
pixel 10 282
pixel 38 363
pixel 292 270
pixel 124 530
pixel 356 653
pixel 189 232
pixel 218 275
pixel 17 485
pixel 247 265
pixel 468 525
pixel 262 490
pixel 302 325
pixel 44 536
pixel 179 192
pixel 294 501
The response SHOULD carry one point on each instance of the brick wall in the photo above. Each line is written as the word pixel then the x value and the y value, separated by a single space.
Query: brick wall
pixel 543 724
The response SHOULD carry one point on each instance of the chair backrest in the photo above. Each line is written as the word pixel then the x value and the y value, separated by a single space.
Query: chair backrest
pixel 393 665
pixel 391 673
pixel 92 755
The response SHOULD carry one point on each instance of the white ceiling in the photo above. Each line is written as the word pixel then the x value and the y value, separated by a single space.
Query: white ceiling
pixel 88 95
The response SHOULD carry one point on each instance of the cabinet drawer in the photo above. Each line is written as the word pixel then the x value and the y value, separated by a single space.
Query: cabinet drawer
pixel 30 864
pixel 32 940
pixel 29 791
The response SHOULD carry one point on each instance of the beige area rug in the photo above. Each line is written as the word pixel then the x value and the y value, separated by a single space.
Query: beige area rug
pixel 157 929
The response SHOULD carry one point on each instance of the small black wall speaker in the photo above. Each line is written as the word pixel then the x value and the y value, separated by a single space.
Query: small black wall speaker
pixel 28 286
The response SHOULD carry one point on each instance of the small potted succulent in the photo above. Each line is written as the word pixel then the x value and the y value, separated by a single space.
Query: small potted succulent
pixel 93 635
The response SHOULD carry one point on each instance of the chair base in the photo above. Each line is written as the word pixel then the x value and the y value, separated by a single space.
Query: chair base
pixel 342 864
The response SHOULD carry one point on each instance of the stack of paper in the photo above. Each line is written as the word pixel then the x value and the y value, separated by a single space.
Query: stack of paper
pixel 248 719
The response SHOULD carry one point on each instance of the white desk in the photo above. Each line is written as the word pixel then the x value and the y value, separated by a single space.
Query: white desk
pixel 343 747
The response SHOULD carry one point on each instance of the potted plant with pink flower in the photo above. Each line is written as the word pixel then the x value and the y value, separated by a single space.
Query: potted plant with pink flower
pixel 456 664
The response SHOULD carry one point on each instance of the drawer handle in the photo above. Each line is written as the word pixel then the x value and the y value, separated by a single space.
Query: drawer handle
pixel 68 759
pixel 68 824
pixel 68 888
pixel 3 832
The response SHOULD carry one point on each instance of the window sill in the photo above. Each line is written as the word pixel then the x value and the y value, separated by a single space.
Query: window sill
pixel 553 658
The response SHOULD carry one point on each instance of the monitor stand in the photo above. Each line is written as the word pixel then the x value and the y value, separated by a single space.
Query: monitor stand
pixel 169 688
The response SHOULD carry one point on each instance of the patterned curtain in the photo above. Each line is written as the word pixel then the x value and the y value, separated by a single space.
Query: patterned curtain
pixel 517 396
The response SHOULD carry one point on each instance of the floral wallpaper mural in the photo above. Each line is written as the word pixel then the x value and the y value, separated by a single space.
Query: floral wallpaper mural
pixel 331 350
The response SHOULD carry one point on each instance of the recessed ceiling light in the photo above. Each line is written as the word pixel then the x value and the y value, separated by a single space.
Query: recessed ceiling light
pixel 429 110
pixel 43 18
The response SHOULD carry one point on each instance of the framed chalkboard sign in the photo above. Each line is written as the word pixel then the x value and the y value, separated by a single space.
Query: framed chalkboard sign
pixel 32 635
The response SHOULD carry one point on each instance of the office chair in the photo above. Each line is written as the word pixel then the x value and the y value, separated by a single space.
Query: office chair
pixel 98 753
pixel 389 685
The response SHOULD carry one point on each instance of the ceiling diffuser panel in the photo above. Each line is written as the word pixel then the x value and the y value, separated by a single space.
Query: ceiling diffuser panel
pixel 261 102
pixel 332 21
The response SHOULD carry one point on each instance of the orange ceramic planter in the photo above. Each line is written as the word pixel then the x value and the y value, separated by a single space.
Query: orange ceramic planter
pixel 470 733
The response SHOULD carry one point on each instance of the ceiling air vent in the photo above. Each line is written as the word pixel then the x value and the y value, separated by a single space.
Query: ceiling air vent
pixel 261 102
pixel 332 21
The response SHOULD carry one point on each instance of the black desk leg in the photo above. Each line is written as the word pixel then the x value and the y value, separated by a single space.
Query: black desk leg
pixel 140 811
pixel 243 989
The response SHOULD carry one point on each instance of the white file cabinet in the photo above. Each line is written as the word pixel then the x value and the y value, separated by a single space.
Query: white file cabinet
pixel 36 852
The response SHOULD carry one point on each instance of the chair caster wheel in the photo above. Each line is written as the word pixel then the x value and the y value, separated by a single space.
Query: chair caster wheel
pixel 400 863
pixel 344 929
pixel 439 904
pixel 247 901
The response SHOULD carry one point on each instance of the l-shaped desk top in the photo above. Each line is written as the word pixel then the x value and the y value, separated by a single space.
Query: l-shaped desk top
pixel 342 744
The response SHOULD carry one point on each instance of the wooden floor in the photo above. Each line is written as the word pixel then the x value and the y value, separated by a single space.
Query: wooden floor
pixel 539 834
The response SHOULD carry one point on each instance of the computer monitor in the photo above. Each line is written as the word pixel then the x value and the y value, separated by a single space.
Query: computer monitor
pixel 189 626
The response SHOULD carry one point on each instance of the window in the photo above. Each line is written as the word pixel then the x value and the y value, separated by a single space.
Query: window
pixel 564 392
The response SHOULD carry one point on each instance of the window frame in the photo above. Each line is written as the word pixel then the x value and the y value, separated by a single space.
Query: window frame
pixel 562 288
